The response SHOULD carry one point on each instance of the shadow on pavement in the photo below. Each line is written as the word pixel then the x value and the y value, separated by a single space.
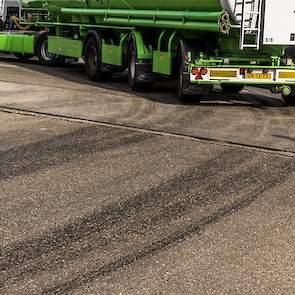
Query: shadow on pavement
pixel 163 92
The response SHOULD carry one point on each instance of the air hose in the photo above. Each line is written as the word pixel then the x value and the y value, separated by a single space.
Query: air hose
pixel 16 20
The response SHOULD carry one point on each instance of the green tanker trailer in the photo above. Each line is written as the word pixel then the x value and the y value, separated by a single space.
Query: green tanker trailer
pixel 197 43
pixel 192 5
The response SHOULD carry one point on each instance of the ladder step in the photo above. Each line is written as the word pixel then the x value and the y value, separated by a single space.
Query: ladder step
pixel 249 45
pixel 239 14
pixel 251 29
pixel 250 22
pixel 247 2
pixel 252 12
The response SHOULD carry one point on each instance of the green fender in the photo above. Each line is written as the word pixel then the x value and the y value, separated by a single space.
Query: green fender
pixel 143 52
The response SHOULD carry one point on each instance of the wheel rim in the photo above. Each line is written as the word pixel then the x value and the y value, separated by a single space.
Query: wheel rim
pixel 132 65
pixel 44 51
pixel 92 59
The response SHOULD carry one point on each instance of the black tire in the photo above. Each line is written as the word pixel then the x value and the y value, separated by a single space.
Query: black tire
pixel 22 57
pixel 231 88
pixel 183 82
pixel 92 56
pixel 45 58
pixel 134 71
pixel 187 93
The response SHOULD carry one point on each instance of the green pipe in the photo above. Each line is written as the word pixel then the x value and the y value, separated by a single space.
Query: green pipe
pixel 192 5
pixel 162 14
pixel 199 26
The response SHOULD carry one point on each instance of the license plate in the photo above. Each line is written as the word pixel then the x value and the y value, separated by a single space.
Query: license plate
pixel 259 76
pixel 287 75
pixel 223 73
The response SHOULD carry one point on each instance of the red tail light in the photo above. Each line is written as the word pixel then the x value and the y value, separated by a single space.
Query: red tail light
pixel 199 77
pixel 203 71
pixel 242 71
pixel 195 71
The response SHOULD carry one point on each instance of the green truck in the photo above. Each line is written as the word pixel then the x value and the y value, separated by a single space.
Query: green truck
pixel 196 43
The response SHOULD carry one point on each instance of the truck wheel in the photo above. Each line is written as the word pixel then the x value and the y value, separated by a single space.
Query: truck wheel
pixel 92 55
pixel 138 72
pixel 230 88
pixel 187 93
pixel 183 84
pixel 45 58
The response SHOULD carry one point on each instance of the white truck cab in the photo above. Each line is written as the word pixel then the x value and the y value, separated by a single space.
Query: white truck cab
pixel 9 8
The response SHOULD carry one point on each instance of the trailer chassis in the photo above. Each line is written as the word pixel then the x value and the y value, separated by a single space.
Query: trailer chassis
pixel 199 71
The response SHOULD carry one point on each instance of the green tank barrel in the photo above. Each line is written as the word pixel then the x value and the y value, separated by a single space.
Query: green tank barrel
pixel 201 15
pixel 162 14
pixel 195 5
pixel 202 21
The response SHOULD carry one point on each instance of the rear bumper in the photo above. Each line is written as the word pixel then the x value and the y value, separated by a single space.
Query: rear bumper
pixel 242 76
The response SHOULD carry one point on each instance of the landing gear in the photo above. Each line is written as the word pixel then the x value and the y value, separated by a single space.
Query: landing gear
pixel 139 73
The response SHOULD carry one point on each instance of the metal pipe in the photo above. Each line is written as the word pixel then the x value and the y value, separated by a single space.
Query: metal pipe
pixel 162 14
pixel 192 20
pixel 199 26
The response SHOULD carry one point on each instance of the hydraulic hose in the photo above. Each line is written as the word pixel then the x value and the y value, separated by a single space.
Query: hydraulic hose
pixel 16 20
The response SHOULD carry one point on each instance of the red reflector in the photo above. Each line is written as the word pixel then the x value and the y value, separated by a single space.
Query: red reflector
pixel 199 77
pixel 242 71
pixel 203 71
pixel 195 71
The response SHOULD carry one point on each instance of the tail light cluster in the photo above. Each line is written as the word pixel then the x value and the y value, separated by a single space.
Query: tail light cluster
pixel 199 72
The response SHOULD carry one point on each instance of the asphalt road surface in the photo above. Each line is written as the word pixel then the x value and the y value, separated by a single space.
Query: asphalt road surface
pixel 104 191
